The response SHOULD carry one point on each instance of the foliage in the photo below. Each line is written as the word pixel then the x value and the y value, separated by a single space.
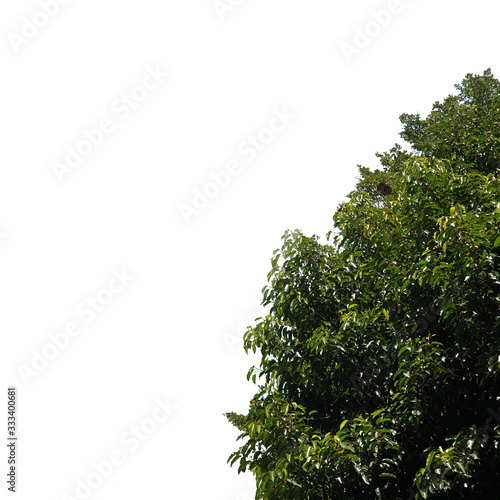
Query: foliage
pixel 380 369
pixel 464 128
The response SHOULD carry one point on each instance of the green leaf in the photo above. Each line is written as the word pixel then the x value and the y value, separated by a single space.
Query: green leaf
pixel 386 474
pixel 429 460
pixel 402 350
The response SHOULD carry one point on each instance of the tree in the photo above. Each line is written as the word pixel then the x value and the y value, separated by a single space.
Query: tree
pixel 380 368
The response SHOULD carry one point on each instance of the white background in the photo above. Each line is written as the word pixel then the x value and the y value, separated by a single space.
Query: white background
pixel 175 330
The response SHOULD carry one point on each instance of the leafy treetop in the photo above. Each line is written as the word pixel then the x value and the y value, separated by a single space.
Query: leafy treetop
pixel 380 369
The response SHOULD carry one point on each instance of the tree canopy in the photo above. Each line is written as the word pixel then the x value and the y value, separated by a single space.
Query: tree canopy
pixel 380 368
